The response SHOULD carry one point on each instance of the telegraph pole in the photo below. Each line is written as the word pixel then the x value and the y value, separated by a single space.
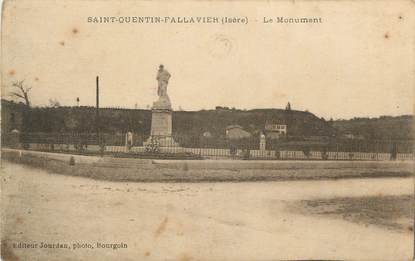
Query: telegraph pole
pixel 97 107
pixel 98 122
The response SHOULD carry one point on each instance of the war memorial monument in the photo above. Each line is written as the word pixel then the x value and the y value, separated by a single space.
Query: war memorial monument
pixel 161 117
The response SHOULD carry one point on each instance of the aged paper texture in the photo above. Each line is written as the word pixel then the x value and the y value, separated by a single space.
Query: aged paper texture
pixel 207 130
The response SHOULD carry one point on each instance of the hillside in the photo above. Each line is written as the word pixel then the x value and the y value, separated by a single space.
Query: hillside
pixel 195 123
pixel 189 123
pixel 384 127
pixel 215 121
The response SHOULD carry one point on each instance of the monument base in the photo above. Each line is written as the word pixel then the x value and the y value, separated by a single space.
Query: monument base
pixel 161 124
pixel 161 142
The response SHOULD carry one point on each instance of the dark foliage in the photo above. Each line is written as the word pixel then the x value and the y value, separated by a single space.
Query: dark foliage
pixel 191 123
pixel 384 127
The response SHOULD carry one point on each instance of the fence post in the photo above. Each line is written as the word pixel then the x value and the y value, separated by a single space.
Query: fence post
pixel 337 151
pixel 377 150
pixel 394 151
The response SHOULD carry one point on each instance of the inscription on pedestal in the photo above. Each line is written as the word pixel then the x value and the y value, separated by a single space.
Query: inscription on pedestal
pixel 161 123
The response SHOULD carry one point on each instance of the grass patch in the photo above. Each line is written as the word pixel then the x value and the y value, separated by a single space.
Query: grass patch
pixel 390 212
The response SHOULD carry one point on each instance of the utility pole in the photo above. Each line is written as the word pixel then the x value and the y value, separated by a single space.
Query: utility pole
pixel 97 121
pixel 97 107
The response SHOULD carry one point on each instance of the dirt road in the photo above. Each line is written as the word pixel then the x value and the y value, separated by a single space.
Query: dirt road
pixel 193 221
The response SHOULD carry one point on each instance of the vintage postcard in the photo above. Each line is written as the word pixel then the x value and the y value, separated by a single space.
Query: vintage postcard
pixel 207 130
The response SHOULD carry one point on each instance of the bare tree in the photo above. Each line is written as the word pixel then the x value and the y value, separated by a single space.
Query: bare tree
pixel 21 91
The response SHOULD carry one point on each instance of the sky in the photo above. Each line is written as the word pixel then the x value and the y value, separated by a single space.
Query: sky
pixel 359 62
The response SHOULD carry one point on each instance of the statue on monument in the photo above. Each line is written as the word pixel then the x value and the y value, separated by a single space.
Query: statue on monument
pixel 163 77
pixel 163 101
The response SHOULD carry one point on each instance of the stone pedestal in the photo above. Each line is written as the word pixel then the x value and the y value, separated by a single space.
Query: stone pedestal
pixel 161 123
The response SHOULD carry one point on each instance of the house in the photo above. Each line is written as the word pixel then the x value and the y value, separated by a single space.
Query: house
pixel 234 132
pixel 351 136
pixel 207 134
pixel 274 129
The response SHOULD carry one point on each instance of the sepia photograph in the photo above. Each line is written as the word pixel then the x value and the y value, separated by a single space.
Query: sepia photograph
pixel 207 130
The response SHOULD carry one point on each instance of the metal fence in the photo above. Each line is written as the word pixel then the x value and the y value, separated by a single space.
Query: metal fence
pixel 208 147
